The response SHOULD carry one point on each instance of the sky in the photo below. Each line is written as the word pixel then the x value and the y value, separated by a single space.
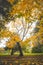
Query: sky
pixel 3 42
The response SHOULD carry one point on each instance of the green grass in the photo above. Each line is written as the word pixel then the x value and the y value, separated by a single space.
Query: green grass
pixel 17 53
pixel 26 54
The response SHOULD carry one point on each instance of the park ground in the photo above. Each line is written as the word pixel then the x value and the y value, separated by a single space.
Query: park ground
pixel 27 59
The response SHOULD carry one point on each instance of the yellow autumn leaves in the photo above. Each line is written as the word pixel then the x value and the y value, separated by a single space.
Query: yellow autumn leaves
pixel 13 40
pixel 10 1
pixel 29 8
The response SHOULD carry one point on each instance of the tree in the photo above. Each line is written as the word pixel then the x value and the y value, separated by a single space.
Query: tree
pixel 27 14
pixel 22 29
pixel 38 49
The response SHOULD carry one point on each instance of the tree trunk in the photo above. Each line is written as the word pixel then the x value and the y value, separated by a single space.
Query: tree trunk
pixel 12 52
pixel 16 48
pixel 20 49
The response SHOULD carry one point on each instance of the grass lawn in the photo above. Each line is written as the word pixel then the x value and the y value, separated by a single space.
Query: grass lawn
pixel 17 53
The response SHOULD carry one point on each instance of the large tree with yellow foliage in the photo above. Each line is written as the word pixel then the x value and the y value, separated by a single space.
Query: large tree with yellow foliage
pixel 28 11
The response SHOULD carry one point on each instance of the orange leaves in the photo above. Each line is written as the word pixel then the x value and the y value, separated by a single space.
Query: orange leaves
pixel 11 64
pixel 30 10
pixel 11 43
pixel 13 38
pixel 16 38
pixel 17 8
pixel 11 1
pixel 5 33
pixel 25 8
pixel 24 43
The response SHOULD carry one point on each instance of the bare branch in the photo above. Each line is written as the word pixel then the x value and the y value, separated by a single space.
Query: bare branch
pixel 27 29
pixel 23 28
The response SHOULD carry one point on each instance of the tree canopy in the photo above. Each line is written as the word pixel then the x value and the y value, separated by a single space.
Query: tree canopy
pixel 17 18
